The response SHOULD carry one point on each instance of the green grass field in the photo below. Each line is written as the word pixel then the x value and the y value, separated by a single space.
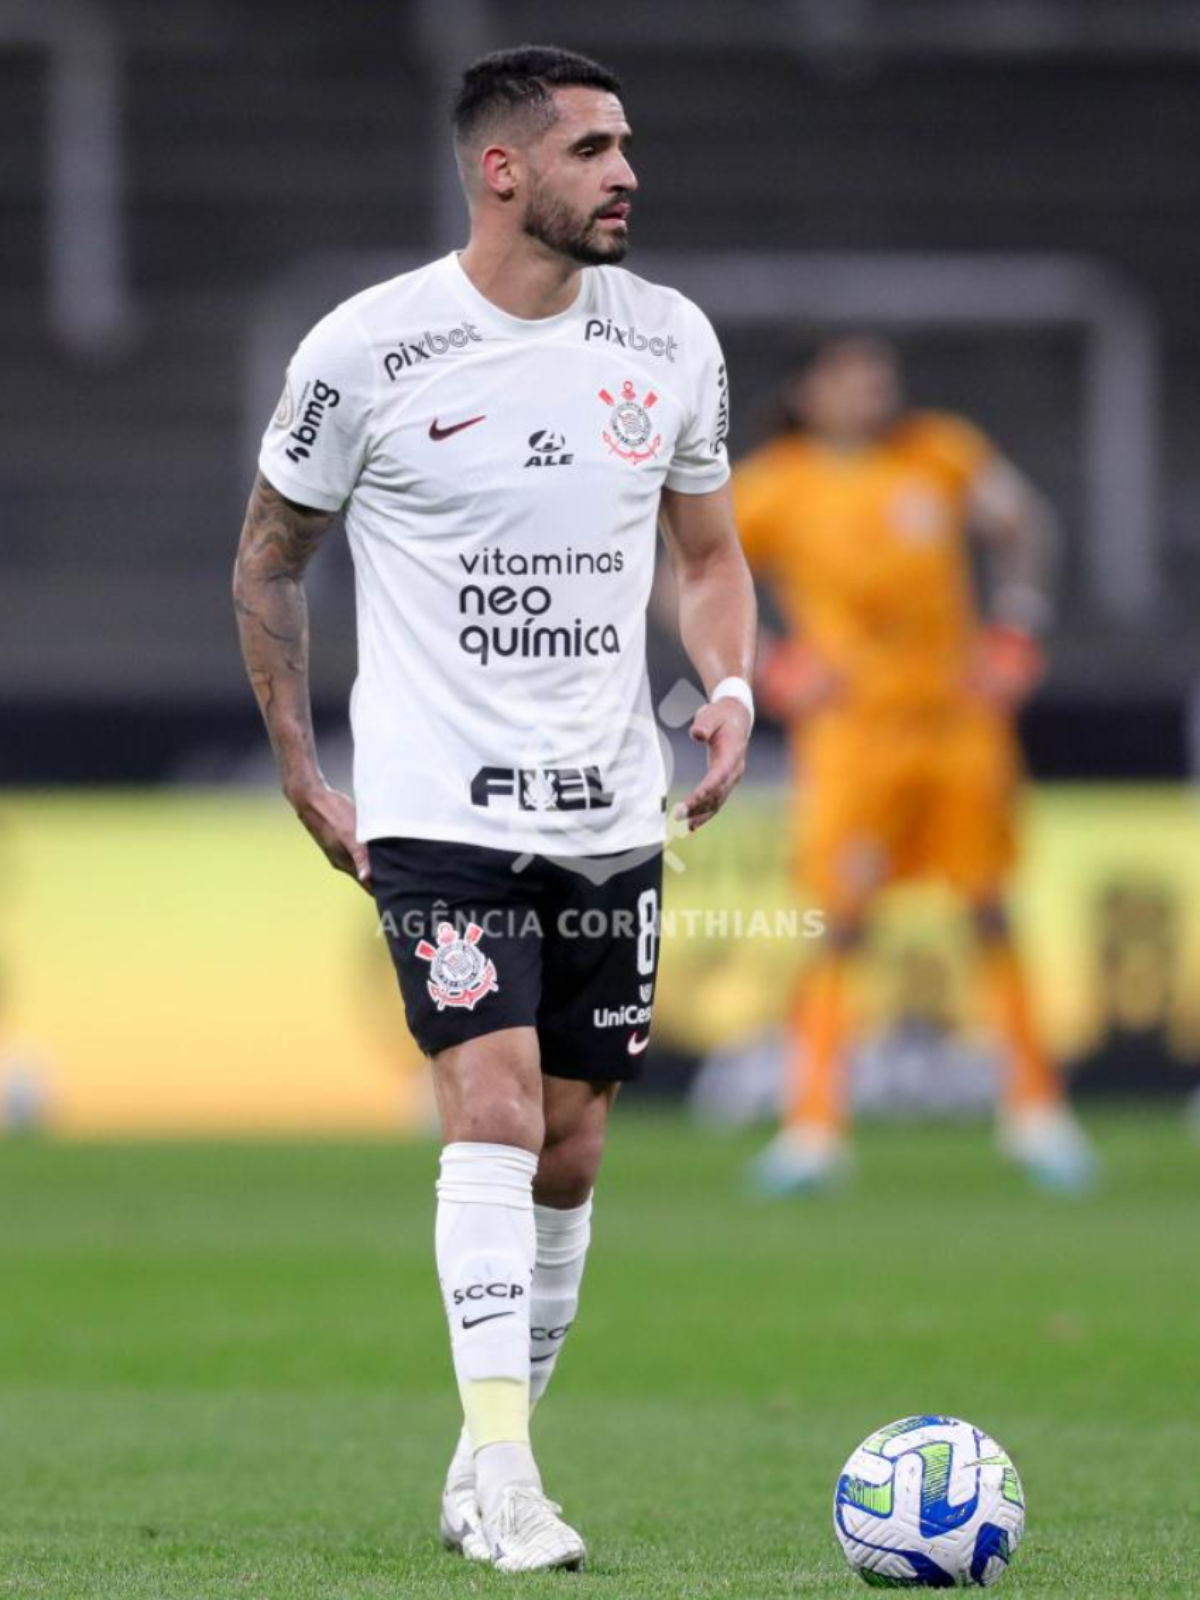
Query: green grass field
pixel 224 1371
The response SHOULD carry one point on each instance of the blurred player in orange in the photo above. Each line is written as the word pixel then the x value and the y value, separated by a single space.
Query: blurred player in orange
pixel 899 695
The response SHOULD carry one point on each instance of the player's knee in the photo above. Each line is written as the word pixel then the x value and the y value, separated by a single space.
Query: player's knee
pixel 506 1114
pixel 489 1091
pixel 503 1112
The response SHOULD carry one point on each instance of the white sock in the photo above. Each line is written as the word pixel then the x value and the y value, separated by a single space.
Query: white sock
pixel 496 1467
pixel 562 1245
pixel 462 1463
pixel 486 1246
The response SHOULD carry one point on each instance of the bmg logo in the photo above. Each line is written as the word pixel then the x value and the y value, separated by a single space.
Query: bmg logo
pixel 316 401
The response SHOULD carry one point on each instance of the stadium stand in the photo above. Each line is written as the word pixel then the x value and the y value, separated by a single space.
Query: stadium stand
pixel 256 134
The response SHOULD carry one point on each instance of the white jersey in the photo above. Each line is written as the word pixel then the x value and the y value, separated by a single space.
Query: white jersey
pixel 501 479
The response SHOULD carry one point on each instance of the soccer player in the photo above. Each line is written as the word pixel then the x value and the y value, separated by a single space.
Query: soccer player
pixel 900 700
pixel 504 428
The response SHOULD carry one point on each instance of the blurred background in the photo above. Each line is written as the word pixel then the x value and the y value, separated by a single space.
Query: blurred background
pixel 1005 187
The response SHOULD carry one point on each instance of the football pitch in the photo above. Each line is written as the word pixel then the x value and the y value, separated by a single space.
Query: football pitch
pixel 224 1369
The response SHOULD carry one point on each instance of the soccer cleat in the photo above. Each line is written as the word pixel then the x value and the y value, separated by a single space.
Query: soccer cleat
pixel 801 1160
pixel 1048 1142
pixel 460 1524
pixel 526 1533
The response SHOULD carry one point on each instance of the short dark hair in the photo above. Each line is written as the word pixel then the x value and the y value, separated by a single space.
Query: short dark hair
pixel 522 80
pixel 805 352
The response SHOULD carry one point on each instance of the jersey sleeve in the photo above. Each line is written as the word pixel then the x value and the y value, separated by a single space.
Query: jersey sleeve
pixel 961 450
pixel 316 443
pixel 701 461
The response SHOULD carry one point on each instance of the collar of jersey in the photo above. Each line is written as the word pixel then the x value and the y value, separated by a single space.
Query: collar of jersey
pixel 522 327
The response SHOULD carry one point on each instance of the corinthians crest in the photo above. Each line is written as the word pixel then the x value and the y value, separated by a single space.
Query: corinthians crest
pixel 630 425
pixel 459 973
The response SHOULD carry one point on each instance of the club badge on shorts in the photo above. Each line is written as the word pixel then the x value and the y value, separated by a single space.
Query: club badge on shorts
pixel 459 973
pixel 630 425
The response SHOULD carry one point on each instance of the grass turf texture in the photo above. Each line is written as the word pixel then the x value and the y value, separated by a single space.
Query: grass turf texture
pixel 224 1372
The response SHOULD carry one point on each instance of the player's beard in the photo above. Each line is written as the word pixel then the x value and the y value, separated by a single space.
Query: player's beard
pixel 552 222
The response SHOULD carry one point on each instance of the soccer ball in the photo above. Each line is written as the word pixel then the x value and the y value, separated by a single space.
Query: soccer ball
pixel 929 1502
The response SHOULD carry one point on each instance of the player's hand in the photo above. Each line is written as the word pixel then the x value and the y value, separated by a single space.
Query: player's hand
pixel 329 817
pixel 791 680
pixel 1007 665
pixel 724 726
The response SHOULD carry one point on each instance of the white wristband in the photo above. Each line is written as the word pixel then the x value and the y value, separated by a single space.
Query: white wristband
pixel 735 689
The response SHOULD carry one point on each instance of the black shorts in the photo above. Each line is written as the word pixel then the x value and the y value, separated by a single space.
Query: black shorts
pixel 486 939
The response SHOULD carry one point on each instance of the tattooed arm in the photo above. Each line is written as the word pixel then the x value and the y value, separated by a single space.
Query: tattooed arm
pixel 278 541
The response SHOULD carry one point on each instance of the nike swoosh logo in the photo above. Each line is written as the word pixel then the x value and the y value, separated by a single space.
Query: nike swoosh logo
pixel 636 1045
pixel 436 432
pixel 474 1322
pixel 533 1360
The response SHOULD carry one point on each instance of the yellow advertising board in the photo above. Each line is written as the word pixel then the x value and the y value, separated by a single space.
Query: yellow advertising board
pixel 188 963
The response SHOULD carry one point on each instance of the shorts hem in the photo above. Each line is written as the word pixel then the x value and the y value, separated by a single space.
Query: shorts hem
pixel 468 1030
pixel 629 1070
pixel 548 847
